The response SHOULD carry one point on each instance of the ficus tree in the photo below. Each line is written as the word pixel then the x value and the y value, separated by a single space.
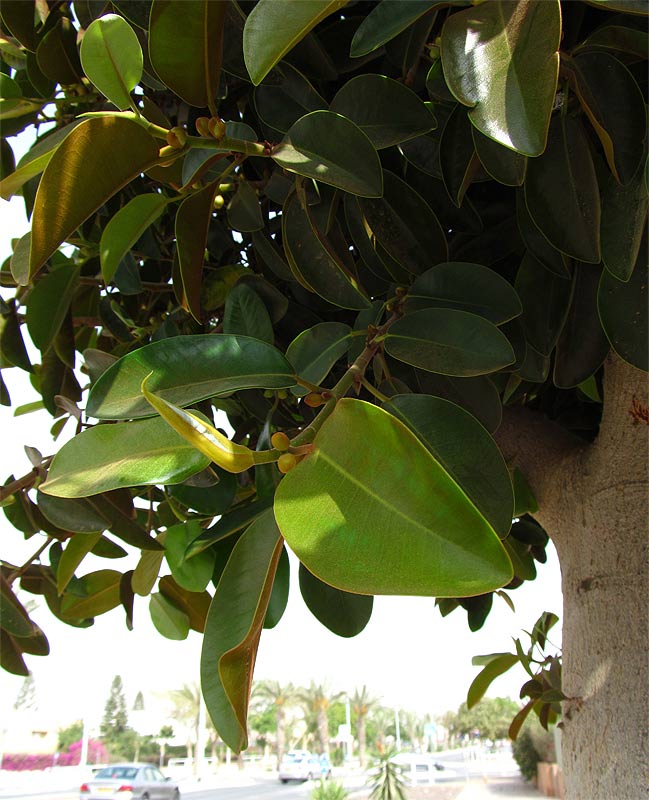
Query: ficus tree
pixel 396 251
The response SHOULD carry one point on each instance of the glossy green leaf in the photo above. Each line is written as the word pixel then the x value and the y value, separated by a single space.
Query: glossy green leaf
pixel 12 345
pixel 194 604
pixel 315 351
pixel 450 342
pixel 384 109
pixel 19 263
pixel 582 345
pixel 75 551
pixel 209 500
pixel 501 59
pixel 112 59
pixel 371 511
pixel 497 665
pixel 44 320
pixel 284 97
pixel 267 251
pixel 461 445
pixel 57 54
pixel 112 456
pixel 125 228
pixel 167 619
pixel 331 148
pixel 192 226
pixel 94 594
pixel 521 558
pixel 623 310
pixel 536 242
pixel 193 574
pixel 314 262
pixel 624 221
pixel 625 6
pixel 244 213
pixel 186 47
pixel 113 150
pixel 233 628
pixel 546 299
pixel 524 500
pixel 13 616
pixel 618 38
pixel 279 596
pixel 246 315
pixel 344 613
pixel 562 193
pixel 506 166
pixel 187 369
pixel 18 18
pixel 34 161
pixel 457 156
pixel 274 27
pixel 469 287
pixel 615 107
pixel 147 570
pixel 71 514
pixel 476 395
pixel 388 19
pixel 403 223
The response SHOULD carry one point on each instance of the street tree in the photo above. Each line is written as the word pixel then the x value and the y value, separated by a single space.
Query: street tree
pixel 26 698
pixel 362 703
pixel 316 701
pixel 280 697
pixel 489 719
pixel 397 253
pixel 115 731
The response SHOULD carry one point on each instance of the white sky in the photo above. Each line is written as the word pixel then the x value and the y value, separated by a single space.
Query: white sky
pixel 408 654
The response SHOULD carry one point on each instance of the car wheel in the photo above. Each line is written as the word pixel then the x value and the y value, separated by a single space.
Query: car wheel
pixel 311 776
pixel 284 780
pixel 176 795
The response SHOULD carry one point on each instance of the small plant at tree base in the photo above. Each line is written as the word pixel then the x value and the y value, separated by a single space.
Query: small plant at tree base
pixel 329 790
pixel 526 755
pixel 386 779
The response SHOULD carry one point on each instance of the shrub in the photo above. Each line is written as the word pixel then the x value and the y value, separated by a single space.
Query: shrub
pixel 329 790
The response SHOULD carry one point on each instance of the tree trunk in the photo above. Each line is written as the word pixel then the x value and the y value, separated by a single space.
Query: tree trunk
pixel 362 743
pixel 281 734
pixel 323 730
pixel 593 502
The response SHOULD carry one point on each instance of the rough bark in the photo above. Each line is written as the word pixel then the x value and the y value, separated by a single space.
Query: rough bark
pixel 593 503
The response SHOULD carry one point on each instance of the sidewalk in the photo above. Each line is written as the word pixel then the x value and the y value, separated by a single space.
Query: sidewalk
pixel 506 788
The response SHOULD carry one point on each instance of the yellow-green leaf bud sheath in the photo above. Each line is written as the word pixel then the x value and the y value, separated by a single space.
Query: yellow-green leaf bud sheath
pixel 203 436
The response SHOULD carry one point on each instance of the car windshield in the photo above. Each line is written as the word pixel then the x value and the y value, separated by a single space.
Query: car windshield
pixel 117 773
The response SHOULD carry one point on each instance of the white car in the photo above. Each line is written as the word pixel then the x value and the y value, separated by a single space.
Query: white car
pixel 301 765
pixel 129 782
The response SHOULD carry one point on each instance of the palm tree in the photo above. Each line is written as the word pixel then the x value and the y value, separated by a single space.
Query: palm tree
pixel 187 703
pixel 316 701
pixel 362 703
pixel 382 719
pixel 281 697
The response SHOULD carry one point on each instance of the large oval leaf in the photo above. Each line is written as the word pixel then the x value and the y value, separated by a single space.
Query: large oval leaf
pixel 386 20
pixel 330 148
pixel 112 456
pixel 546 299
pixel 246 315
pixel 624 221
pixel 187 369
pixel 384 109
pixel 471 287
pixel 233 628
pixel 192 225
pixel 450 342
pixel 404 225
pixel 93 162
pixel 615 106
pixel 344 613
pixel 371 511
pixel 274 27
pixel 501 58
pixel 466 451
pixel 111 57
pixel 193 574
pixel 314 352
pixel 44 319
pixel 624 312
pixel 94 594
pixel 186 47
pixel 125 228
pixel 562 193
pixel 314 262
pixel 285 97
